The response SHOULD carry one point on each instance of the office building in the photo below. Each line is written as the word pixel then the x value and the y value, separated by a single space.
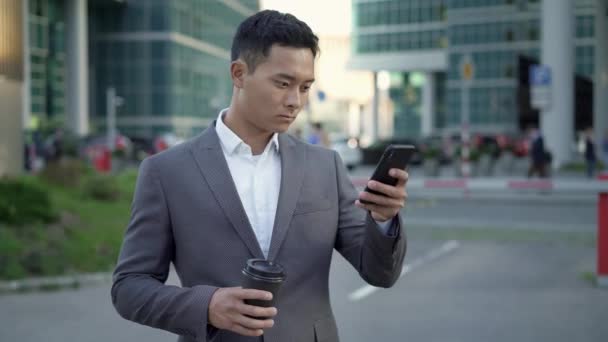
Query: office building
pixel 422 44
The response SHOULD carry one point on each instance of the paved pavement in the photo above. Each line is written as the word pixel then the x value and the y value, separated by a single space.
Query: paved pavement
pixel 559 215
pixel 479 291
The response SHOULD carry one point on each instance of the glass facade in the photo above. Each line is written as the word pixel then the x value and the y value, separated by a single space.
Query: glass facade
pixel 168 60
pixel 508 30
pixel 395 18
pixel 46 19
pixel 495 33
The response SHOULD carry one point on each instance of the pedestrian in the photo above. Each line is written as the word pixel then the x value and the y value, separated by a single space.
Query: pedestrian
pixel 318 135
pixel 538 154
pixel 245 189
pixel 605 150
pixel 590 156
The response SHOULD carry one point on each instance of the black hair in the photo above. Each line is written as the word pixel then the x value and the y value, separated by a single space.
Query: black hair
pixel 259 32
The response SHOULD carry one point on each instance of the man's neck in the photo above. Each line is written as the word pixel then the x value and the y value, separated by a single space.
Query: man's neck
pixel 252 136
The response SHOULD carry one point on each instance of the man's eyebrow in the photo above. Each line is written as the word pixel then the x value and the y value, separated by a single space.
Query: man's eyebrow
pixel 292 78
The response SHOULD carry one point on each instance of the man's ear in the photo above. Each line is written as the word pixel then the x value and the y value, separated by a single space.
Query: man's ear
pixel 238 70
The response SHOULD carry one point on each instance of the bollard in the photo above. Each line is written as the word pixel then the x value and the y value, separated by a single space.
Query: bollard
pixel 602 235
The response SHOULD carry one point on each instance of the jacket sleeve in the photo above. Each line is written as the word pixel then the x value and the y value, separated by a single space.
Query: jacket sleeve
pixel 377 257
pixel 139 293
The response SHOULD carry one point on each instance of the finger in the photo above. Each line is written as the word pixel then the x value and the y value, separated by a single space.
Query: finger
pixel 379 211
pixel 398 173
pixel 257 311
pixel 388 190
pixel 252 323
pixel 239 329
pixel 253 294
pixel 402 176
pixel 381 201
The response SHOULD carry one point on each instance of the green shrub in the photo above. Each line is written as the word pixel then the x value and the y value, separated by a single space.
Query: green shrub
pixel 23 202
pixel 101 188
pixel 66 172
pixel 431 152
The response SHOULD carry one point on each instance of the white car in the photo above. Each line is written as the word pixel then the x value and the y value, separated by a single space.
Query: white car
pixel 348 149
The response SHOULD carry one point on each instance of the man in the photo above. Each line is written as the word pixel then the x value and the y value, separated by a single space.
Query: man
pixel 244 189
pixel 318 136
pixel 538 155
pixel 590 156
pixel 605 150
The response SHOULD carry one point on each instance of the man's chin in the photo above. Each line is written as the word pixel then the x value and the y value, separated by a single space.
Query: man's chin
pixel 281 129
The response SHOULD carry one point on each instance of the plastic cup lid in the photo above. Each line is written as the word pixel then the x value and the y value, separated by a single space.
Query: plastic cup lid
pixel 264 268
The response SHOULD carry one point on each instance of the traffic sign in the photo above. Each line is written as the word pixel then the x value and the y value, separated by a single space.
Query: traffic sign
pixel 540 86
pixel 540 75
pixel 467 68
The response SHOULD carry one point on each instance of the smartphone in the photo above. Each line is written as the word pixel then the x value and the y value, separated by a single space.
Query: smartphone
pixel 394 157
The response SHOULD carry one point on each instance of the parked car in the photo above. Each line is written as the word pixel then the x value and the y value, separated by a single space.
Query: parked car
pixel 165 141
pixel 348 149
pixel 89 144
pixel 372 153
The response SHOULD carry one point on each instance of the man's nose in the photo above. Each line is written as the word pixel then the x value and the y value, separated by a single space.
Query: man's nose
pixel 294 99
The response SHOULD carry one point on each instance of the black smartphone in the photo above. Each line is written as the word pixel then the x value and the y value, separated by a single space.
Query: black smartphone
pixel 394 157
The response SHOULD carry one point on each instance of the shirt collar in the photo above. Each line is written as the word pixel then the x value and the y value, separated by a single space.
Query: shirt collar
pixel 231 142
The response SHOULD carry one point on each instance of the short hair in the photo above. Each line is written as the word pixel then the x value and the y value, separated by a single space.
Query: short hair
pixel 258 33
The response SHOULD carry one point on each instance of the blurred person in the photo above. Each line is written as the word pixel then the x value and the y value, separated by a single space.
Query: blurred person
pixel 244 189
pixel 319 136
pixel 54 146
pixel 538 155
pixel 590 156
pixel 605 150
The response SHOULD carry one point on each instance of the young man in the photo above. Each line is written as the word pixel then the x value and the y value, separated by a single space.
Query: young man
pixel 590 155
pixel 538 158
pixel 244 189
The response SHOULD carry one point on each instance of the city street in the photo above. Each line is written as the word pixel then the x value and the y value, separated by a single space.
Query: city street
pixel 476 288
pixel 498 108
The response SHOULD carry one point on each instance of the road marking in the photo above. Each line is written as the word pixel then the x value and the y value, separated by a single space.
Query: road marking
pixel 434 254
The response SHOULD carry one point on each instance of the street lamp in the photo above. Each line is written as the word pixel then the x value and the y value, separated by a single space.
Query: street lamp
pixel 113 101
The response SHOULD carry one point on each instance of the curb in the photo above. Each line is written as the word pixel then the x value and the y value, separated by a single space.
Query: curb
pixel 54 283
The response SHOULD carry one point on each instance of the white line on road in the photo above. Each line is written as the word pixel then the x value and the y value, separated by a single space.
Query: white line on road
pixel 436 253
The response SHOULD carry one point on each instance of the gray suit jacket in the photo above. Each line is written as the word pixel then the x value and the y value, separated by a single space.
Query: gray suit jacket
pixel 186 210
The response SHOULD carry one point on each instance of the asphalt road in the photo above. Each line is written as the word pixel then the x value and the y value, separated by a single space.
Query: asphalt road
pixel 476 291
pixel 469 290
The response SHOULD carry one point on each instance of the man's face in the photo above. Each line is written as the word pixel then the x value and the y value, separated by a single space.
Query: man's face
pixel 276 91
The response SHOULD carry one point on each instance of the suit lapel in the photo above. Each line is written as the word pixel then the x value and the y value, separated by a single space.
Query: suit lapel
pixel 209 156
pixel 293 159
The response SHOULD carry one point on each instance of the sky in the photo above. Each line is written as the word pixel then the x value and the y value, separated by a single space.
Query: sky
pixel 325 17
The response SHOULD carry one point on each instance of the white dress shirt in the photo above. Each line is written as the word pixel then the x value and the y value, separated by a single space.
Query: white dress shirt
pixel 258 181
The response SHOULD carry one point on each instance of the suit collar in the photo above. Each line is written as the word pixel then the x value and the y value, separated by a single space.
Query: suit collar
pixel 293 161
pixel 207 151
pixel 230 141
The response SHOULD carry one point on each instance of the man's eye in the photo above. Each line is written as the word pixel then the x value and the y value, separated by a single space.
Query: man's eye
pixel 282 84
pixel 305 89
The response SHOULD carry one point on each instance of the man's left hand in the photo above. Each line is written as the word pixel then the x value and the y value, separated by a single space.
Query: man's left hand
pixel 385 207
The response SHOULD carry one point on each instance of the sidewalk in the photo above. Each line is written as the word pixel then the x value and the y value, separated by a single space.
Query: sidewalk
pixel 563 186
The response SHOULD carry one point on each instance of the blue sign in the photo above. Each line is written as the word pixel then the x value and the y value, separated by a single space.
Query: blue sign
pixel 540 75
pixel 321 95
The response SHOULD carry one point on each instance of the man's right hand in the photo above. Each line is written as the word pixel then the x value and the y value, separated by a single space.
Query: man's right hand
pixel 228 311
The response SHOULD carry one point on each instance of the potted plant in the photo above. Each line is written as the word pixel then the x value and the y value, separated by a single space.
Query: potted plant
pixel 474 156
pixel 487 158
pixel 506 161
pixel 430 155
